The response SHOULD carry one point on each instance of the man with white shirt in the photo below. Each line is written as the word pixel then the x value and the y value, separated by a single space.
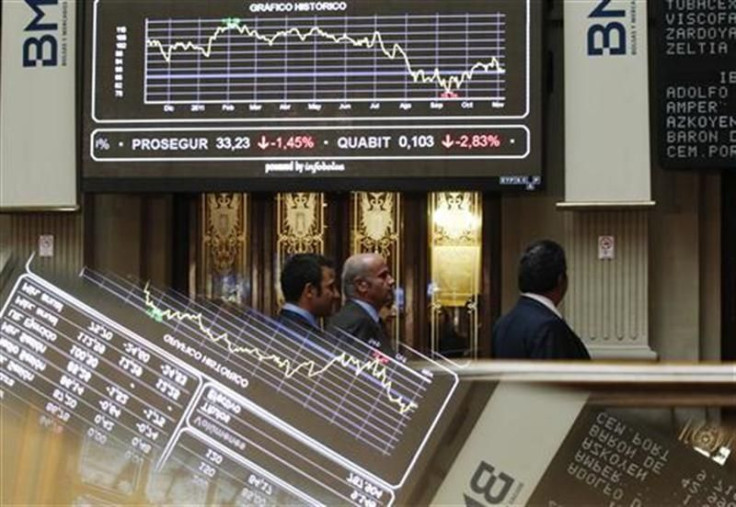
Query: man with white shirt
pixel 368 287
pixel 309 288
pixel 534 328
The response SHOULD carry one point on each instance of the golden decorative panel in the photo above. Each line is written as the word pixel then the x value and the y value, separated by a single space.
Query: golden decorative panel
pixel 374 224
pixel 224 229
pixel 300 228
pixel 455 218
pixel 374 228
pixel 455 247
pixel 300 220
pixel 454 273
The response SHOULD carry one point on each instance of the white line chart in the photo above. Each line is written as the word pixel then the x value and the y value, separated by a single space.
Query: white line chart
pixel 407 57
pixel 372 403
pixel 289 368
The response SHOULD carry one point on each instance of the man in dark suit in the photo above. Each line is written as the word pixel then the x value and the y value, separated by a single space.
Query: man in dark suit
pixel 368 287
pixel 309 289
pixel 534 328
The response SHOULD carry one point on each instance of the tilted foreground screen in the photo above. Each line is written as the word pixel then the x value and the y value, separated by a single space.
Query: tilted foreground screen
pixel 155 379
pixel 114 392
pixel 350 94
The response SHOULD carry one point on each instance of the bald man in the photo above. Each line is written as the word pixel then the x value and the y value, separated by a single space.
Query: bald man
pixel 368 287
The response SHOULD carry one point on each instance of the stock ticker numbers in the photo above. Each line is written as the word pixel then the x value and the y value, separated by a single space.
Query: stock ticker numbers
pixel 266 90
pixel 284 145
pixel 83 370
pixel 696 91
pixel 226 408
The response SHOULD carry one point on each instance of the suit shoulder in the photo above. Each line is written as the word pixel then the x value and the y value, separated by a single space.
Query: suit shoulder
pixel 559 328
pixel 341 318
pixel 530 312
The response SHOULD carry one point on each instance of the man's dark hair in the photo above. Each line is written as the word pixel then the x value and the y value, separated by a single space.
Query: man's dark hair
pixel 541 266
pixel 299 270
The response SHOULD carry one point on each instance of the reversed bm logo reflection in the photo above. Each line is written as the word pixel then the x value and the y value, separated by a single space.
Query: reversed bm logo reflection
pixel 492 487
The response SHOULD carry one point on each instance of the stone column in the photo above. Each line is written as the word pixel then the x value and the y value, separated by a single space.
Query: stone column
pixel 608 302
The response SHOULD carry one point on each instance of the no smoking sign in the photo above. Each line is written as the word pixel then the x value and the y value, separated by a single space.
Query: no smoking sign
pixel 606 247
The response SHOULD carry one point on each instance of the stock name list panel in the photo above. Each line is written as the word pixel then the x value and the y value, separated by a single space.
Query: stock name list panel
pixel 696 90
pixel 608 459
pixel 282 417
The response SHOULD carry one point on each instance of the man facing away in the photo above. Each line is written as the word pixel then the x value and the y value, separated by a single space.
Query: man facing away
pixel 534 328
pixel 309 289
pixel 368 287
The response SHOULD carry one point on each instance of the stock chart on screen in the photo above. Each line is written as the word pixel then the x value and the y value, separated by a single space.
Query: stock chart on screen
pixel 313 92
pixel 230 401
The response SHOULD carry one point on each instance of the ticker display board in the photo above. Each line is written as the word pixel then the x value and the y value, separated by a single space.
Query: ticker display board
pixel 351 93
pixel 695 59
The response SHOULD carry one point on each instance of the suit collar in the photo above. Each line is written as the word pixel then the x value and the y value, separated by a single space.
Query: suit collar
pixel 304 314
pixel 546 302
pixel 368 309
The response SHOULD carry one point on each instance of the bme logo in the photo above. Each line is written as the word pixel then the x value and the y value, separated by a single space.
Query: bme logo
pixel 43 49
pixel 494 487
pixel 610 36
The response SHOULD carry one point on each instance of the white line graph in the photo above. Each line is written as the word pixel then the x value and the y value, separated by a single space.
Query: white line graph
pixel 326 59
pixel 289 368
pixel 379 425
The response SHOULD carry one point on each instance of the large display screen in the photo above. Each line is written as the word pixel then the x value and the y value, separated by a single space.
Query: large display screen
pixel 326 94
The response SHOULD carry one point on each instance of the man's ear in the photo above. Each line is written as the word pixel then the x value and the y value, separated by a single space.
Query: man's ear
pixel 309 290
pixel 562 282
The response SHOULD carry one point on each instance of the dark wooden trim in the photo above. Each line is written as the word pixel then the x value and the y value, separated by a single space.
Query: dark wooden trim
pixel 728 278
pixel 728 267
pixel 180 242
pixel 268 268
pixel 247 264
pixel 415 248
pixel 144 245
pixel 262 248
pixel 408 275
pixel 337 234
pixel 255 232
pixel 422 246
pixel 195 245
pixel 490 304
pixel 89 257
